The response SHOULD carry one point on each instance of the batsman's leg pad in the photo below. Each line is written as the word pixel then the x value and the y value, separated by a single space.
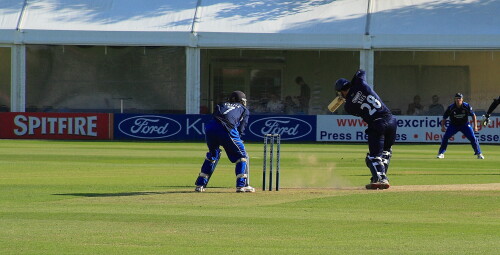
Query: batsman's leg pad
pixel 386 159
pixel 241 172
pixel 376 167
pixel 208 168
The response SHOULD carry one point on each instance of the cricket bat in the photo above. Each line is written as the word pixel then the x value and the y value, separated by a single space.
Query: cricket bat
pixel 336 103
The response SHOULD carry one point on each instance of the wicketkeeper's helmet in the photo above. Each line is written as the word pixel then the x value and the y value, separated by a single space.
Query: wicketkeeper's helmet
pixel 238 97
pixel 342 84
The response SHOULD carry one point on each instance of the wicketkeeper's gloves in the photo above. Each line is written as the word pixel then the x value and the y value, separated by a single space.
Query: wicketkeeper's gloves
pixel 486 120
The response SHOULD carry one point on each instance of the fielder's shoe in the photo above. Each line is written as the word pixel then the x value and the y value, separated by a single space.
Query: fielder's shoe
pixel 480 156
pixel 245 189
pixel 199 189
pixel 441 155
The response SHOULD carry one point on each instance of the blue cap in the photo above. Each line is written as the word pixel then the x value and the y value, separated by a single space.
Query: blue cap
pixel 459 95
pixel 342 84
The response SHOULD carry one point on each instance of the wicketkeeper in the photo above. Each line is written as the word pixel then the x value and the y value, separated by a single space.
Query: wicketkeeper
pixel 361 100
pixel 486 119
pixel 224 129
pixel 459 113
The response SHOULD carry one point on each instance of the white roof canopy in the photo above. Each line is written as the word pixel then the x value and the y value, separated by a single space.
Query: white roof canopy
pixel 435 24
pixel 300 24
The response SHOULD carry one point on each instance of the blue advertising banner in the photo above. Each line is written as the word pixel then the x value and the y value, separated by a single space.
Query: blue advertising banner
pixel 290 127
pixel 191 127
pixel 160 127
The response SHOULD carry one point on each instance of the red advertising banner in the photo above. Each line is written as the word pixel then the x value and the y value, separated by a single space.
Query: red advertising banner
pixel 70 126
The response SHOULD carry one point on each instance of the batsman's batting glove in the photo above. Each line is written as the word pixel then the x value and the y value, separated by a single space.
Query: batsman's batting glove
pixel 486 120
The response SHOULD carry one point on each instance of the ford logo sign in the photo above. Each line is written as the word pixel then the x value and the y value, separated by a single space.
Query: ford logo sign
pixel 149 127
pixel 288 127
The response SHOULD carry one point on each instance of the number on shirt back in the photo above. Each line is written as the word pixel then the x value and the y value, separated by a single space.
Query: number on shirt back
pixel 229 109
pixel 373 103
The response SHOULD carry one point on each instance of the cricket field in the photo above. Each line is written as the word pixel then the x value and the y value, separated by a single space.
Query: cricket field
pixel 74 197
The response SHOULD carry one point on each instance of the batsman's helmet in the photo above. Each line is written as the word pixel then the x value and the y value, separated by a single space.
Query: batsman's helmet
pixel 238 97
pixel 342 84
pixel 459 95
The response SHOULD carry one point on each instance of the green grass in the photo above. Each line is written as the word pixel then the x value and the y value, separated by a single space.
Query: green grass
pixel 70 197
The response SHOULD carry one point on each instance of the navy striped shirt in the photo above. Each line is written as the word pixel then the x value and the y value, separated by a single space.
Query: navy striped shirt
pixel 362 101
pixel 232 116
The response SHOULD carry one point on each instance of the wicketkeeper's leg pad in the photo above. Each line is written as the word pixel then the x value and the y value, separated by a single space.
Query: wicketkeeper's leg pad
pixel 241 172
pixel 208 168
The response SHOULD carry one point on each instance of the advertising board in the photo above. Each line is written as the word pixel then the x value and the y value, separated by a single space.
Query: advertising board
pixel 69 126
pixel 411 129
pixel 191 127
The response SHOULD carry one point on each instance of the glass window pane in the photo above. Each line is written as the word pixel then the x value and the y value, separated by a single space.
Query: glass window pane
pixel 99 79
pixel 5 73
pixel 431 78
pixel 267 74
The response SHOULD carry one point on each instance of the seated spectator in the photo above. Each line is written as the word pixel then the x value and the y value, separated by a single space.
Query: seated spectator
pixel 415 108
pixel 435 109
pixel 290 106
pixel 257 107
pixel 274 105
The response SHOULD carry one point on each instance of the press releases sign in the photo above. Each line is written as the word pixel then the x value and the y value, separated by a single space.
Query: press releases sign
pixel 412 129
pixel 86 126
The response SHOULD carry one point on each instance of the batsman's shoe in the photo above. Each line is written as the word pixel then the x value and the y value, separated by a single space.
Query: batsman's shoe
pixel 440 155
pixel 383 184
pixel 372 185
pixel 480 156
pixel 245 189
pixel 199 189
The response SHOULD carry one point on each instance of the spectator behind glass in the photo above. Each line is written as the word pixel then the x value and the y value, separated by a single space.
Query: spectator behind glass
pixel 305 95
pixel 274 105
pixel 290 105
pixel 435 109
pixel 415 108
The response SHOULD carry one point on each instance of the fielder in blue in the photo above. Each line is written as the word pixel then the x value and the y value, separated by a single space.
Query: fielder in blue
pixel 228 122
pixel 362 101
pixel 459 113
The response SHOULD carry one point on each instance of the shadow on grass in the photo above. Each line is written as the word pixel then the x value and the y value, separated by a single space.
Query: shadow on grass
pixel 406 174
pixel 140 193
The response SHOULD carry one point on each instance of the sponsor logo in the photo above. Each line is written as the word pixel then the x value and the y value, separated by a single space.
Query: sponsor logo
pixel 288 127
pixel 419 129
pixel 149 127
pixel 34 125
pixel 359 98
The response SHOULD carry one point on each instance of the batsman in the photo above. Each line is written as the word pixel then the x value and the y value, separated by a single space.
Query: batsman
pixel 362 101
pixel 486 117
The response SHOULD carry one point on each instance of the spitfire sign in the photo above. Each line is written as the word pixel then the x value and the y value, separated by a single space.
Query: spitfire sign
pixel 88 126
